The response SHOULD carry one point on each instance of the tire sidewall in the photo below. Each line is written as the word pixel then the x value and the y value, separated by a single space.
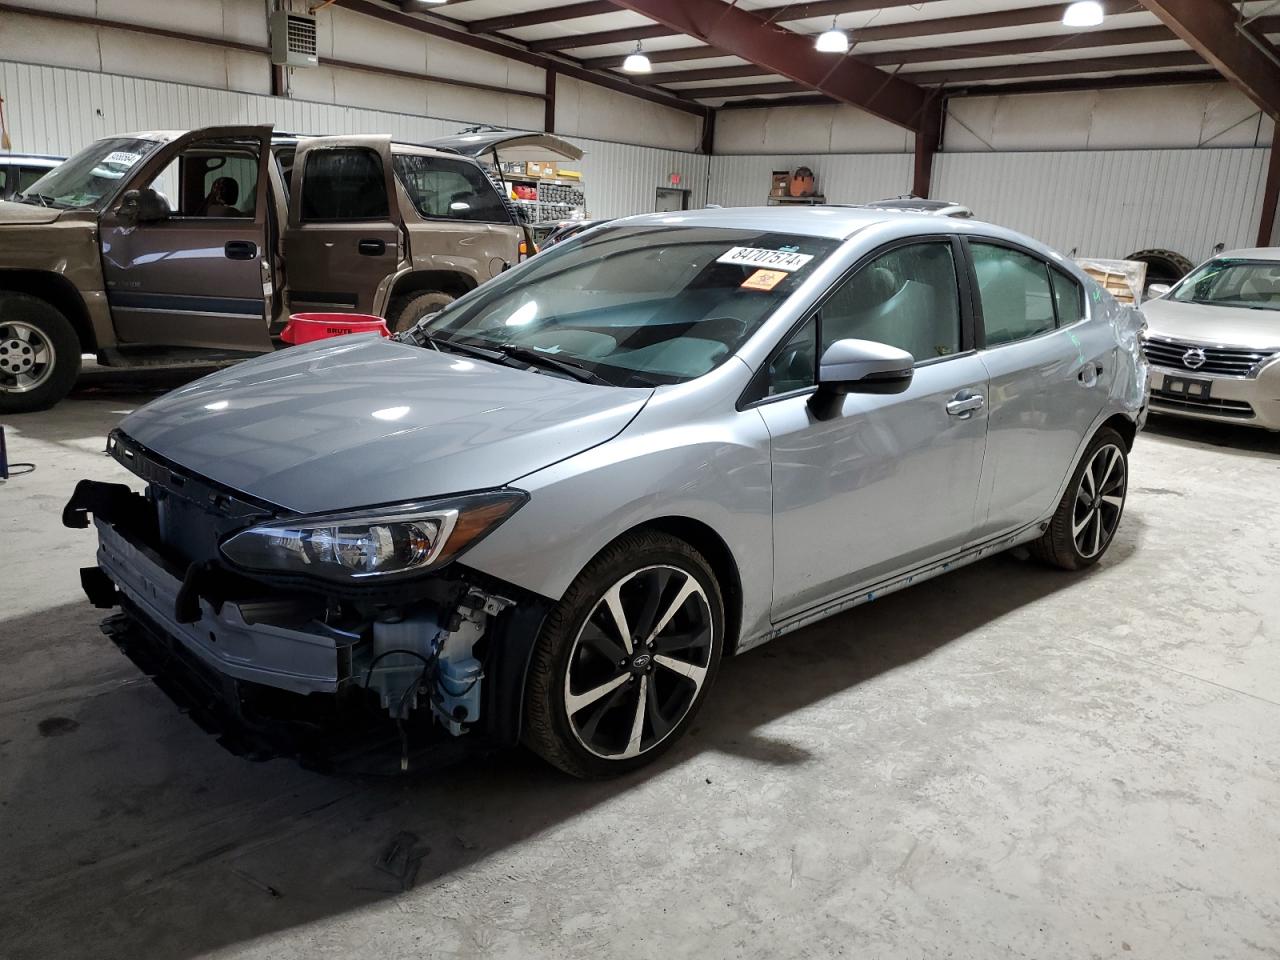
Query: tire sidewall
pixel 66 346
pixel 581 599
pixel 410 310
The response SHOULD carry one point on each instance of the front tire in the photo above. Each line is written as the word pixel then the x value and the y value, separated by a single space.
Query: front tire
pixel 39 354
pixel 1089 514
pixel 407 310
pixel 626 658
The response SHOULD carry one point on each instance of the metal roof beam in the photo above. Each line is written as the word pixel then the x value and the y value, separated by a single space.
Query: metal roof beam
pixel 747 35
pixel 1213 29
pixel 532 18
pixel 625 35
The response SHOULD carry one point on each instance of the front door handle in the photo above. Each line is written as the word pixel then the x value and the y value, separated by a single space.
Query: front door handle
pixel 240 249
pixel 965 404
pixel 372 247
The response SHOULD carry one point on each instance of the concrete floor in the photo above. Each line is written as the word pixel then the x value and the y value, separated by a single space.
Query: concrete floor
pixel 1008 761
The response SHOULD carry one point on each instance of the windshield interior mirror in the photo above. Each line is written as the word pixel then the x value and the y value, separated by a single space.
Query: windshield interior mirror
pixel 1158 290
pixel 859 366
pixel 143 206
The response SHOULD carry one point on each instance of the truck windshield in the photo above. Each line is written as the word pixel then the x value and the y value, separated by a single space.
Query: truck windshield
pixel 1229 282
pixel 637 304
pixel 92 177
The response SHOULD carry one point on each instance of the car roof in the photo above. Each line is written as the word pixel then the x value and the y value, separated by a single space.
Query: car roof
pixel 1251 253
pixel 832 222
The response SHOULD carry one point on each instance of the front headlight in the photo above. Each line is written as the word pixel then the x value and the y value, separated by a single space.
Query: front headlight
pixel 381 542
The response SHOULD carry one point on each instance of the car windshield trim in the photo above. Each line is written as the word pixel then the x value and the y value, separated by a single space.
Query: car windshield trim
pixel 637 304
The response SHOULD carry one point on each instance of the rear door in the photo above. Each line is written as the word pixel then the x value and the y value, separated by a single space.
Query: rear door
pixel 199 276
pixel 344 234
pixel 1050 374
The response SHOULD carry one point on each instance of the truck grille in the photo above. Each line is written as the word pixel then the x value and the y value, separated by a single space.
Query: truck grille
pixel 1200 359
pixel 1236 409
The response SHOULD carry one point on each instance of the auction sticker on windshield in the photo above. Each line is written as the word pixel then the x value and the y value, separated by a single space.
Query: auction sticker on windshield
pixel 764 280
pixel 759 257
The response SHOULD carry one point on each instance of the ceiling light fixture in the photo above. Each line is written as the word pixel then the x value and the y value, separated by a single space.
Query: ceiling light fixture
pixel 1086 13
pixel 834 40
pixel 636 61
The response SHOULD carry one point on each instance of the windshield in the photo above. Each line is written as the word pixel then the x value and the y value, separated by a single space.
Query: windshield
pixel 1254 284
pixel 638 304
pixel 91 178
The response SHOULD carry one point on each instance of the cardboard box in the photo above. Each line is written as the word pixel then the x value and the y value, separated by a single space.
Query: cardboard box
pixel 781 183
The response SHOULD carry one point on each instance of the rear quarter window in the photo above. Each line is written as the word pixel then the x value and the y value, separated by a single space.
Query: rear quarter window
pixel 442 188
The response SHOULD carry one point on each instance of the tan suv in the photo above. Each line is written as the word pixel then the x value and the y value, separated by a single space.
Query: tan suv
pixel 168 247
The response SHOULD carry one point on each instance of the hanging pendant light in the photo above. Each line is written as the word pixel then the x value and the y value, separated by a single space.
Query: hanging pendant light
pixel 636 61
pixel 1086 13
pixel 833 40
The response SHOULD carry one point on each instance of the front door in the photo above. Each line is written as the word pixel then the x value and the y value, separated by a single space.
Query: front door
pixel 892 481
pixel 1049 380
pixel 344 235
pixel 194 270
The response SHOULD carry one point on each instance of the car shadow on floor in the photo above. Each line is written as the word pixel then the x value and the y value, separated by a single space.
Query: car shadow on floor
pixel 127 832
pixel 1228 437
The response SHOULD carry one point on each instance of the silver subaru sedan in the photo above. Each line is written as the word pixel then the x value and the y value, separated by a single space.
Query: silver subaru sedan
pixel 544 514
pixel 1214 341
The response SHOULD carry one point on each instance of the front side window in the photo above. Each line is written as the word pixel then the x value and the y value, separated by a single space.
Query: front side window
pixel 907 298
pixel 90 179
pixel 639 304
pixel 450 189
pixel 1231 282
pixel 26 177
pixel 1014 286
pixel 211 178
pixel 344 183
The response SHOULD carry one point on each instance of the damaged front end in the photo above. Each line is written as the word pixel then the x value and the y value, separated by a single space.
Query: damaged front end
pixel 280 634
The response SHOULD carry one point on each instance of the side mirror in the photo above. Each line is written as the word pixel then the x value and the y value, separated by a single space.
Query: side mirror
pixel 859 366
pixel 143 206
pixel 1157 290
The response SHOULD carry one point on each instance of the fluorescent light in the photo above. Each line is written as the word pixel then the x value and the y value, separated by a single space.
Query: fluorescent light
pixel 832 41
pixel 637 62
pixel 1085 13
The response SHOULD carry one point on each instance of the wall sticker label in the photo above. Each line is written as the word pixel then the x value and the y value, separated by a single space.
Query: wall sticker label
pixel 772 259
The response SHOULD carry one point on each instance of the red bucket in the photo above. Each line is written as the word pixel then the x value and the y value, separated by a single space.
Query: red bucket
pixel 305 327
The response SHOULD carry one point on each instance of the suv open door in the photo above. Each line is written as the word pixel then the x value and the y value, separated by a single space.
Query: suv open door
pixel 185 253
pixel 344 238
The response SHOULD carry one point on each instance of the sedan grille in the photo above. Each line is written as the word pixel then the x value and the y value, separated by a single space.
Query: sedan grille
pixel 1197 358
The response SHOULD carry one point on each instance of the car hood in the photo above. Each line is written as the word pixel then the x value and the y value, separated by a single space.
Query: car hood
pixel 1221 326
pixel 359 420
pixel 26 213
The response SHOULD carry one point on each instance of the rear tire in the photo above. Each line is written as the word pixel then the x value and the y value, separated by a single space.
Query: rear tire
pixel 602 700
pixel 1089 514
pixel 407 310
pixel 39 354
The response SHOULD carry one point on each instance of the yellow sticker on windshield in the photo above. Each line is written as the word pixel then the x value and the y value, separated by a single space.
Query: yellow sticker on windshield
pixel 764 280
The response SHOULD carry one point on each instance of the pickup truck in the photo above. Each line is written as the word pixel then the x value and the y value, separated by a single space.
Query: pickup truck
pixel 194 247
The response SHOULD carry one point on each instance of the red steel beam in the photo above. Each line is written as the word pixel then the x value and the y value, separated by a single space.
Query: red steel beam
pixel 511 21
pixel 747 35
pixel 625 35
pixel 1212 29
pixel 1270 194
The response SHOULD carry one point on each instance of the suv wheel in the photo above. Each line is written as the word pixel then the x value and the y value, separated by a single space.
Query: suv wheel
pixel 1089 514
pixel 39 354
pixel 626 658
pixel 407 310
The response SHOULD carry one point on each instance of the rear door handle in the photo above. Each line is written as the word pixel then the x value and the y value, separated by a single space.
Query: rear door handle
pixel 964 404
pixel 240 249
pixel 372 247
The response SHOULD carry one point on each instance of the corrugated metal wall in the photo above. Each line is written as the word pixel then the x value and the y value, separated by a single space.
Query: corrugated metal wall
pixel 743 181
pixel 58 110
pixel 1115 203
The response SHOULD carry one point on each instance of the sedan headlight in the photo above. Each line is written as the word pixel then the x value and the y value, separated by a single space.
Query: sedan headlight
pixel 380 542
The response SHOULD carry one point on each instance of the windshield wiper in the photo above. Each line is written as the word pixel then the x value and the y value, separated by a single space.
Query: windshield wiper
pixel 462 346
pixel 539 359
pixel 41 198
